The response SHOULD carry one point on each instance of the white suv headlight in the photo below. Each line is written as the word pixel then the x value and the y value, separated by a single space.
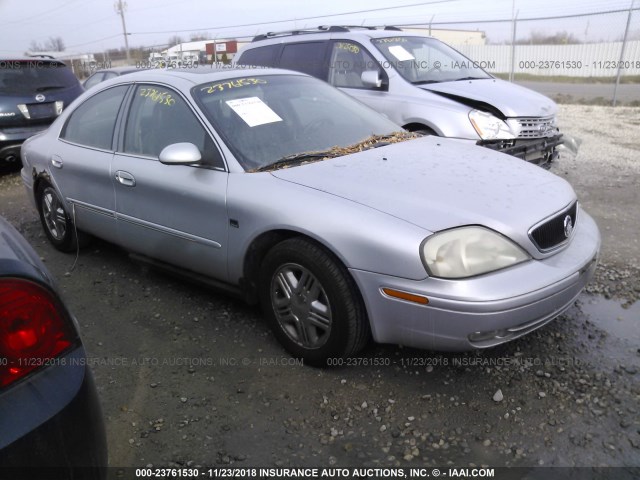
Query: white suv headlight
pixel 490 127
pixel 468 251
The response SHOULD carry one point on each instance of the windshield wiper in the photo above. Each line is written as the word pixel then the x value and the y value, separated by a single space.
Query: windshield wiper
pixel 469 78
pixel 296 158
pixel 424 82
pixel 374 141
pixel 49 87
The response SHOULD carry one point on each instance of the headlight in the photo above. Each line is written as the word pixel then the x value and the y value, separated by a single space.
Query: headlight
pixel 468 251
pixel 490 127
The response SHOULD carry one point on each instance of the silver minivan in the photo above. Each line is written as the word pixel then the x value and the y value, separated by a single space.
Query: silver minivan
pixel 420 83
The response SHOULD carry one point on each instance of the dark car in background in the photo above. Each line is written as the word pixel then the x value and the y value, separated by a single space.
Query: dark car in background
pixel 33 92
pixel 51 422
pixel 107 73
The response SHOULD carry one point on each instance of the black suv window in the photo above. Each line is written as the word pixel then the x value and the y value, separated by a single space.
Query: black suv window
pixel 305 57
pixel 159 117
pixel 18 76
pixel 93 122
pixel 260 57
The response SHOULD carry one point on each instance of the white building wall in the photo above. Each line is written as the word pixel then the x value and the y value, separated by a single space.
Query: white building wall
pixel 579 60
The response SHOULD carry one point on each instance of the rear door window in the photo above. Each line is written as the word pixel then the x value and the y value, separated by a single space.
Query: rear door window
pixel 92 124
pixel 308 58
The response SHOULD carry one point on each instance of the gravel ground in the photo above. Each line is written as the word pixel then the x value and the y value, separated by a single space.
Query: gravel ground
pixel 606 176
pixel 190 377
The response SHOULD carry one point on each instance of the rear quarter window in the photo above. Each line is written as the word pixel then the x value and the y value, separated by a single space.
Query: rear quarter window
pixel 259 57
pixel 92 123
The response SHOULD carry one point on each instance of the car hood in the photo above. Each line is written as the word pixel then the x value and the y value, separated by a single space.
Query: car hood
pixel 438 183
pixel 510 99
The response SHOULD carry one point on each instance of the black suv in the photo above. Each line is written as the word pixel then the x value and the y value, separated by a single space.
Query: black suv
pixel 33 92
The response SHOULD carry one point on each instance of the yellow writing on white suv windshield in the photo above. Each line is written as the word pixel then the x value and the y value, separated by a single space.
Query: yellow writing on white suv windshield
pixel 391 40
pixel 237 83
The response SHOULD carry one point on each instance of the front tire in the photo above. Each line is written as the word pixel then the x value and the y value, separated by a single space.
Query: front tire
pixel 56 221
pixel 311 302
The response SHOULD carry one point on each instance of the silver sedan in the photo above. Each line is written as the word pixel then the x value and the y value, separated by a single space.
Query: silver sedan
pixel 278 187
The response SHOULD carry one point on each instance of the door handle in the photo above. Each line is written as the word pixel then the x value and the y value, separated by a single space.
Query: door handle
pixel 125 178
pixel 56 161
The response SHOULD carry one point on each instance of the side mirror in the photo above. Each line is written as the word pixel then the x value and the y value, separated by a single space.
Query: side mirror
pixel 371 78
pixel 180 154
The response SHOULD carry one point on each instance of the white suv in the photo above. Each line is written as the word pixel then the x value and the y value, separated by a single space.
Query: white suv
pixel 419 83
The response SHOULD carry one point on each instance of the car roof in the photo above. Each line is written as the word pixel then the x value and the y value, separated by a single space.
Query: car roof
pixel 36 58
pixel 120 70
pixel 340 32
pixel 197 75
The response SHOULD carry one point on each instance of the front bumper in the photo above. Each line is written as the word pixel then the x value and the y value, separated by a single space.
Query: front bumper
pixel 483 311
pixel 539 151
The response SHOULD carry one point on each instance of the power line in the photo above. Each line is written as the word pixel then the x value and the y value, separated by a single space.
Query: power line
pixel 220 27
pixel 556 17
pixel 46 12
pixel 94 41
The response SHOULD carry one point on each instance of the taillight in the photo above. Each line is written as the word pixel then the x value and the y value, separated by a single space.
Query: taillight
pixel 33 329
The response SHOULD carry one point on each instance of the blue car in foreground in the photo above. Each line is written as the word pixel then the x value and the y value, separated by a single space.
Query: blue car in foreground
pixel 50 418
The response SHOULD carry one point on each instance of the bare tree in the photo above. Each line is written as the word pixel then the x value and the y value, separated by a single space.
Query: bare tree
pixel 175 40
pixel 194 37
pixel 36 46
pixel 55 44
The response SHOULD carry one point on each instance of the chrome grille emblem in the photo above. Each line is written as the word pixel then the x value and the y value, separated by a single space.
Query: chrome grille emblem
pixel 568 226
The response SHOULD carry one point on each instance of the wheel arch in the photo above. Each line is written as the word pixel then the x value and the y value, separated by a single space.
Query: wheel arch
pixel 260 246
pixel 39 178
pixel 416 127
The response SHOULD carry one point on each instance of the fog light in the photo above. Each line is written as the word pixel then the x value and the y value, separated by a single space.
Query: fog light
pixel 491 335
pixel 59 107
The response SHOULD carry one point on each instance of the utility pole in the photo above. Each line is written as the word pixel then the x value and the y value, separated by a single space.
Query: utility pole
pixel 120 7
pixel 514 15
pixel 620 63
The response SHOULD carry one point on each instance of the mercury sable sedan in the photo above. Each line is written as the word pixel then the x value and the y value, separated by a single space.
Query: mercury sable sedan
pixel 278 187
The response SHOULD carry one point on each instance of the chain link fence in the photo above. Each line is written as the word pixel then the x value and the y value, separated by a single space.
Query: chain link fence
pixel 592 58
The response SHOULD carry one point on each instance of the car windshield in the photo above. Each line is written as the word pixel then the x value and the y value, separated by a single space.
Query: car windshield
pixel 422 60
pixel 30 76
pixel 271 119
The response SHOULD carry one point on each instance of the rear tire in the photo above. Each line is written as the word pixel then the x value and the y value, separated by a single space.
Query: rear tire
pixel 311 303
pixel 56 221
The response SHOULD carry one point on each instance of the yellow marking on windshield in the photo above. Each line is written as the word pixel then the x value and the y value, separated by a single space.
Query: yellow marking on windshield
pixel 162 98
pixel 348 46
pixel 391 40
pixel 240 82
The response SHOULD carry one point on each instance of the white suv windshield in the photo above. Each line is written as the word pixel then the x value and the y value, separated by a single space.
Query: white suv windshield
pixel 423 60
pixel 269 118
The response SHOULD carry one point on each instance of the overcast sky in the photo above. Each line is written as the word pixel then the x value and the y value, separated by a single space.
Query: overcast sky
pixel 93 25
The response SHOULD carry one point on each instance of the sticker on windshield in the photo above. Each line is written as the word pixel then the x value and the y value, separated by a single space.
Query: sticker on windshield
pixel 253 111
pixel 400 53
